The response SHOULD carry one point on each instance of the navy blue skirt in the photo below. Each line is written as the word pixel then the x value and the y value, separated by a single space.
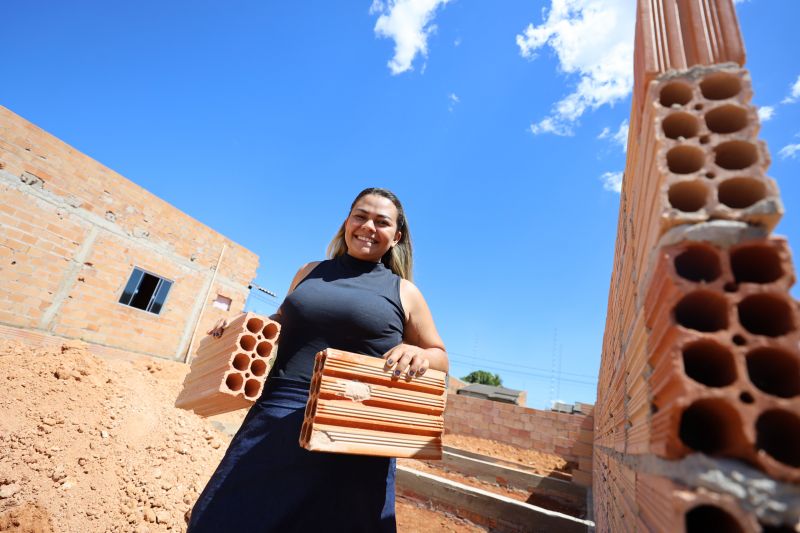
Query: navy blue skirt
pixel 267 482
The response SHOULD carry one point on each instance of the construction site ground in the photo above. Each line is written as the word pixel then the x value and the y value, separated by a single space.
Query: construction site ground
pixel 91 444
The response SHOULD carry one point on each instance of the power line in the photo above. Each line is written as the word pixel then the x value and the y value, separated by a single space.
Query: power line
pixel 527 367
pixel 544 377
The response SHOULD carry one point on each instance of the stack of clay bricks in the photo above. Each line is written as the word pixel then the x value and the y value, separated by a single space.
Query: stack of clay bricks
pixel 356 406
pixel 701 356
pixel 228 372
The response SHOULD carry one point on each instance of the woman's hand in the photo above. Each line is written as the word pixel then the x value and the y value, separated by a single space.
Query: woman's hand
pixel 409 358
pixel 218 328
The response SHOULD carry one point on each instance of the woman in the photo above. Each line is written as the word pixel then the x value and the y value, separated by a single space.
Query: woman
pixel 360 300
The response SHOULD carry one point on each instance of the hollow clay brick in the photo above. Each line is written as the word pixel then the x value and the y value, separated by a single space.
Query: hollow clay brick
pixel 679 34
pixel 663 507
pixel 228 373
pixel 356 406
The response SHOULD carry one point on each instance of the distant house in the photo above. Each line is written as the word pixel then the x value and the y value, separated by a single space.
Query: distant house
pixel 496 394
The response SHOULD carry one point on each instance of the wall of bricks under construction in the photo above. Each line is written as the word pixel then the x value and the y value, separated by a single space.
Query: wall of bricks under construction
pixel 569 436
pixel 71 231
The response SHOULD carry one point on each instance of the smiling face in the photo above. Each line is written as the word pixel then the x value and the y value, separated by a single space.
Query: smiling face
pixel 371 228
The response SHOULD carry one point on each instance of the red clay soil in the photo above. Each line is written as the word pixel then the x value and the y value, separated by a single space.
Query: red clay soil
pixel 90 445
pixel 539 462
pixel 413 518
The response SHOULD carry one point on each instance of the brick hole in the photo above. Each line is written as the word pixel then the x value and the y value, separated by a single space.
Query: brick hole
pixel 756 264
pixel 774 371
pixel 709 363
pixel 234 381
pixel 685 159
pixel 739 193
pixel 746 397
pixel 704 139
pixel 710 426
pixel 264 348
pixel 258 367
pixel 680 125
pixel 241 361
pixel 731 287
pixel 254 325
pixel 704 518
pixel 766 314
pixel 720 85
pixel 698 107
pixel 710 175
pixel 702 311
pixel 688 196
pixel 736 155
pixel 698 263
pixel 247 342
pixel 727 119
pixel 675 93
pixel 270 331
pixel 739 340
pixel 778 434
pixel 252 388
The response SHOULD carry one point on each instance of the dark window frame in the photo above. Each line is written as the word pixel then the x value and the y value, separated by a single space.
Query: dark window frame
pixel 158 297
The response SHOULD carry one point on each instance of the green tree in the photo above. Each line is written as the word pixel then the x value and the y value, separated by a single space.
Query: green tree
pixel 484 378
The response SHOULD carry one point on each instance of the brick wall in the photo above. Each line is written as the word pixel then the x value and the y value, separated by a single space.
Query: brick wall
pixel 566 435
pixel 71 231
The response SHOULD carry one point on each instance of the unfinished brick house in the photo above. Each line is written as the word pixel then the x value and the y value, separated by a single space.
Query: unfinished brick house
pixel 87 254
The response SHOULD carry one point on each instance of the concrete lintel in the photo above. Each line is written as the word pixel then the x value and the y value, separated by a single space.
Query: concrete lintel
pixel 500 512
pixel 58 202
pixel 512 477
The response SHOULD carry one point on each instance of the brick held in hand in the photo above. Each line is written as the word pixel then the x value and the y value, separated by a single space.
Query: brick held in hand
pixel 228 372
pixel 356 406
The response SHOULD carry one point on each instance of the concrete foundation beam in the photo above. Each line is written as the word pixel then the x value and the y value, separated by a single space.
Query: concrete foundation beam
pixel 482 507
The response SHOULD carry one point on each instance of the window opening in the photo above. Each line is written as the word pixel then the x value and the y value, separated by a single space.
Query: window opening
pixel 222 302
pixel 145 291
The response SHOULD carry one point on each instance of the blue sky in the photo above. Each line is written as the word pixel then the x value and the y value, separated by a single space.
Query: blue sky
pixel 264 119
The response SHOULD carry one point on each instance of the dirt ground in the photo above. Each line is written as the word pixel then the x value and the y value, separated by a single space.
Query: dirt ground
pixel 96 445
pixel 538 462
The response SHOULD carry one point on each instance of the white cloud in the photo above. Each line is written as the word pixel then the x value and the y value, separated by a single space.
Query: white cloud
pixel 766 112
pixel 409 23
pixel 592 39
pixel 612 181
pixel 454 99
pixel 789 151
pixel 620 137
pixel 794 93
pixel 550 125
pixel 457 42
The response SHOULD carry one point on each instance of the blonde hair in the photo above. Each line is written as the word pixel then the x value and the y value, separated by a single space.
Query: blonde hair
pixel 399 258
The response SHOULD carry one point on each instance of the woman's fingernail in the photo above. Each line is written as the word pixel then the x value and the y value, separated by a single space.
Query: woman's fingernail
pixel 410 372
pixel 389 362
pixel 396 372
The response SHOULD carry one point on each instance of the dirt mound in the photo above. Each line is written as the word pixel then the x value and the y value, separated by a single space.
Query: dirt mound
pixel 95 445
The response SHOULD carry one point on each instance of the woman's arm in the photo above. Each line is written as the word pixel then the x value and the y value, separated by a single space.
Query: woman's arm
pixel 422 347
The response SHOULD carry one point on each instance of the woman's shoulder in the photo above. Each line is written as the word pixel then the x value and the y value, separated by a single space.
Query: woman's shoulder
pixel 303 273
pixel 410 295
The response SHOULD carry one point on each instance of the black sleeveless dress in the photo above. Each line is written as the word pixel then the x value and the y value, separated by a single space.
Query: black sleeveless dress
pixel 266 481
